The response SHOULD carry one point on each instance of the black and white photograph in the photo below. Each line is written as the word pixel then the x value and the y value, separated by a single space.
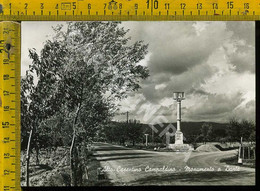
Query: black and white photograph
pixel 137 103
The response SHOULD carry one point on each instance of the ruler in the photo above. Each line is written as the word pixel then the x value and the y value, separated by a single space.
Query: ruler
pixel 9 106
pixel 24 10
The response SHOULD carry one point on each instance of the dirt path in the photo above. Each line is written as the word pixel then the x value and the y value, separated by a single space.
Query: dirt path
pixel 126 166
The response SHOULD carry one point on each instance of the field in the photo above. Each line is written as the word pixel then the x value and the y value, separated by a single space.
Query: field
pixel 54 169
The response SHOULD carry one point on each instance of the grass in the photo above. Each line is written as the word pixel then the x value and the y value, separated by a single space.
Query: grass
pixel 54 170
pixel 93 176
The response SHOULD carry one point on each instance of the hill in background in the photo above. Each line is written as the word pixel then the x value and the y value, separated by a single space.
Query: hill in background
pixel 190 128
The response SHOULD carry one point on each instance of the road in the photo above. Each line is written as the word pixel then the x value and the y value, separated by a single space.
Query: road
pixel 125 166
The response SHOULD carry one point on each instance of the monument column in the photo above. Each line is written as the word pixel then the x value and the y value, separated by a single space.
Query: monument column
pixel 178 96
pixel 178 115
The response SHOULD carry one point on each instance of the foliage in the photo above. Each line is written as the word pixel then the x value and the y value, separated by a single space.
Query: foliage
pixel 206 132
pixel 121 132
pixel 73 85
pixel 245 129
pixel 134 131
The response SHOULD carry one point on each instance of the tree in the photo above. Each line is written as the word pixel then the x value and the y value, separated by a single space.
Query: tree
pixel 210 135
pixel 90 66
pixel 134 131
pixel 39 95
pixel 248 130
pixel 203 132
pixel 252 137
pixel 206 132
pixel 114 132
pixel 120 133
pixel 235 130
pixel 220 134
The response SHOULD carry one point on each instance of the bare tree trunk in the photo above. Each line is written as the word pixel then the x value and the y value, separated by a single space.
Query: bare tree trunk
pixel 72 167
pixel 79 168
pixel 37 155
pixel 72 148
pixel 37 152
pixel 28 157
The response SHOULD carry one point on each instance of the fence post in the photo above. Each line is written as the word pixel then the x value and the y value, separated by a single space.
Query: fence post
pixel 240 161
pixel 239 155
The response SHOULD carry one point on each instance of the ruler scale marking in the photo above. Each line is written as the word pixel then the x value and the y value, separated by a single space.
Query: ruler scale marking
pixel 129 10
pixel 10 123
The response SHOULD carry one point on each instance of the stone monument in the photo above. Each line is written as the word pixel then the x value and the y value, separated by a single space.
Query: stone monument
pixel 178 145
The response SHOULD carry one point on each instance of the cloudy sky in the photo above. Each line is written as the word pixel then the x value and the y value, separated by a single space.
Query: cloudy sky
pixel 212 62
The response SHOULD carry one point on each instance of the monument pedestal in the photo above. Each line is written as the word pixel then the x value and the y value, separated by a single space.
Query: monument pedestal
pixel 179 146
pixel 178 137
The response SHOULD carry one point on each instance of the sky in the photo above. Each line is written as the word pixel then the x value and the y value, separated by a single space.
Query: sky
pixel 212 62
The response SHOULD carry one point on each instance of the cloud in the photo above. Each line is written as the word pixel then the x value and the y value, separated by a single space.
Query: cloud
pixel 176 47
pixel 242 59
pixel 243 30
pixel 214 105
pixel 212 62
pixel 210 66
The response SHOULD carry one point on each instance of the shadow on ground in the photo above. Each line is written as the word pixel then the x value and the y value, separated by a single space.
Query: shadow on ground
pixel 118 154
pixel 41 166
pixel 102 147
pixel 121 158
